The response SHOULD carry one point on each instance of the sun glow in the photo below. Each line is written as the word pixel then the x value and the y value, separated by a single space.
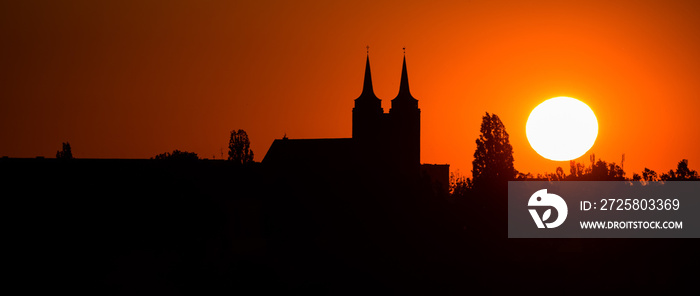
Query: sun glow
pixel 562 128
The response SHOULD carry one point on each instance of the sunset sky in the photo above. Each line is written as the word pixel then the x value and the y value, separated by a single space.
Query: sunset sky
pixel 132 79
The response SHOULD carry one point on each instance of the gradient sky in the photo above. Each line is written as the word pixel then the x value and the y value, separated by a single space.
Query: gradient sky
pixel 132 79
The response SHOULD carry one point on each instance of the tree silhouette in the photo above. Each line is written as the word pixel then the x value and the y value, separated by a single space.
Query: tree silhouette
pixel 685 173
pixel 459 185
pixel 239 147
pixel 493 158
pixel 599 170
pixel 65 152
pixel 636 177
pixel 524 176
pixel 615 172
pixel 649 175
pixel 682 173
pixel 560 174
pixel 576 170
pixel 603 171
pixel 670 176
pixel 178 155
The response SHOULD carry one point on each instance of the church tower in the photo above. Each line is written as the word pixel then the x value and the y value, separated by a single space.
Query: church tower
pixel 392 138
pixel 405 127
pixel 367 119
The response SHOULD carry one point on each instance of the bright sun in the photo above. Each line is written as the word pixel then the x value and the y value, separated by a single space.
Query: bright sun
pixel 562 128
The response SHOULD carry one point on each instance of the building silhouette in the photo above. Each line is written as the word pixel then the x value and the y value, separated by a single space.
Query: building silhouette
pixel 381 142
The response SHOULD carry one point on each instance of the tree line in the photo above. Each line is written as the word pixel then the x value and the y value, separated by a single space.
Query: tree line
pixel 493 166
pixel 239 151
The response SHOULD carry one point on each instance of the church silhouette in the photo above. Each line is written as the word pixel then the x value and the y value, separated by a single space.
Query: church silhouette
pixel 381 142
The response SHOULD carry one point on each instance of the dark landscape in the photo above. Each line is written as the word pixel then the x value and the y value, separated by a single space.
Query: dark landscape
pixel 211 227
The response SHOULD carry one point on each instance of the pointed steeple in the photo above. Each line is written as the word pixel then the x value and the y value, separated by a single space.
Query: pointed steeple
pixel 404 98
pixel 367 113
pixel 404 90
pixel 367 90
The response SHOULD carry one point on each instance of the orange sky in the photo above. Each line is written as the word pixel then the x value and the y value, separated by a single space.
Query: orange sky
pixel 131 79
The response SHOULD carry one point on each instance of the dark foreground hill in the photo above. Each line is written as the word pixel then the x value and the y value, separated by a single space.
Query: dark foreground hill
pixel 207 227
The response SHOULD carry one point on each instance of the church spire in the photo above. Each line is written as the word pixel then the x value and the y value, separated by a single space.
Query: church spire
pixel 367 89
pixel 404 90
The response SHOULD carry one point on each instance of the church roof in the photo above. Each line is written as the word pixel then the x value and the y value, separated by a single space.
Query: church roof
pixel 305 153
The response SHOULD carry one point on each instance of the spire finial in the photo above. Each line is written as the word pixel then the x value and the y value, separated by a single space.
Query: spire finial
pixel 367 49
pixel 404 50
